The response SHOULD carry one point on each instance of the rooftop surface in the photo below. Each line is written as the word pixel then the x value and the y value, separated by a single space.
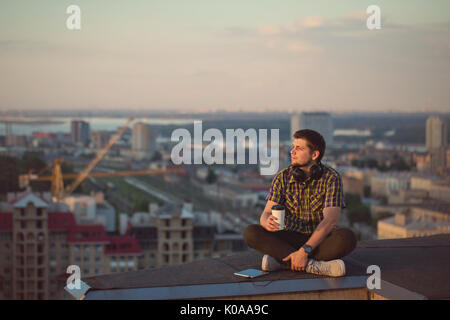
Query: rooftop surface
pixel 413 268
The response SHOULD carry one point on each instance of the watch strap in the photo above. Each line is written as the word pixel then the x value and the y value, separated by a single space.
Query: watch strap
pixel 307 248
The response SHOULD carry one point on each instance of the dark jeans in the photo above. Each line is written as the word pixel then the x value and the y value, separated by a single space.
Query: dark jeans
pixel 339 243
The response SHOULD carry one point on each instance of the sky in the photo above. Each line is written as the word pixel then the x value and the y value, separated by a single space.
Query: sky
pixel 234 55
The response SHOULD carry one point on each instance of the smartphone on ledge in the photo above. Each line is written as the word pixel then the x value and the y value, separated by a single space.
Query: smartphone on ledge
pixel 250 273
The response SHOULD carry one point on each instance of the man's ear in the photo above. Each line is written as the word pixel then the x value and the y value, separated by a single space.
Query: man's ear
pixel 315 155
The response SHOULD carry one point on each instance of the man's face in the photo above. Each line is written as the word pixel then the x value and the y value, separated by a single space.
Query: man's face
pixel 301 154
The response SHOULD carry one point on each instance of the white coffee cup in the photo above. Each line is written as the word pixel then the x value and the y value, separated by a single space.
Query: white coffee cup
pixel 278 213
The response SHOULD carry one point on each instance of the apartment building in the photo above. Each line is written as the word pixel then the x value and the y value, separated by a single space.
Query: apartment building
pixel 417 221
pixel 29 254
pixel 438 189
pixel 175 240
pixel 37 244
pixel 236 195
pixel 175 234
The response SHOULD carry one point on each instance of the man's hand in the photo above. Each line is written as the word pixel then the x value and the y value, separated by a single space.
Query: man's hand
pixel 299 259
pixel 267 220
pixel 270 223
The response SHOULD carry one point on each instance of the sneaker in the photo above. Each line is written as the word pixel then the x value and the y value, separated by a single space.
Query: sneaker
pixel 333 268
pixel 269 263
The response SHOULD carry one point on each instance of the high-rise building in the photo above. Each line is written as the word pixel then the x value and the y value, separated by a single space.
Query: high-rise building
pixel 295 124
pixel 436 142
pixel 143 141
pixel 30 268
pixel 16 140
pixel 317 121
pixel 436 133
pixel 100 138
pixel 80 131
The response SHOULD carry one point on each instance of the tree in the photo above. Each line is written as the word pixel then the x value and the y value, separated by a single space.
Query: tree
pixel 357 234
pixel 356 211
pixel 400 165
pixel 356 163
pixel 157 156
pixel 33 161
pixel 13 167
pixel 352 199
pixel 367 191
pixel 141 206
pixel 359 213
pixel 372 163
pixel 9 175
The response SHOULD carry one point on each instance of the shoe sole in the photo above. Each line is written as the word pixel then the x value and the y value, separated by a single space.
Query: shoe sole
pixel 342 264
pixel 264 263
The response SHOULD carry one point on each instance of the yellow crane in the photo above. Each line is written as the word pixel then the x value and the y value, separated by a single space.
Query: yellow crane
pixel 57 177
pixel 100 155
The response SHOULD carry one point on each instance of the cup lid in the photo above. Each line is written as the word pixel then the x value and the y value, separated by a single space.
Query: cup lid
pixel 278 207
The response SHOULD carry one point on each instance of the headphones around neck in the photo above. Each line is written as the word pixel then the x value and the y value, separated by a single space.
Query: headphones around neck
pixel 316 173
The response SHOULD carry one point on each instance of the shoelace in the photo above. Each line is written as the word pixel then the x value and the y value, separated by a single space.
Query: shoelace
pixel 318 267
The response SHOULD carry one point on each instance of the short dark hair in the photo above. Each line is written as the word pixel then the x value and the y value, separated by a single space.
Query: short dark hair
pixel 314 141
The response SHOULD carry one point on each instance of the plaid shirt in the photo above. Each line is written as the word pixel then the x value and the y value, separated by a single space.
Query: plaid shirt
pixel 304 202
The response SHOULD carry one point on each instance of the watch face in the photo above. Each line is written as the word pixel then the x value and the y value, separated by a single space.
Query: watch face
pixel 307 249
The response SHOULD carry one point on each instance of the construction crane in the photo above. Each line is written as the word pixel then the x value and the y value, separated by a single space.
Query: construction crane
pixel 57 177
pixel 100 155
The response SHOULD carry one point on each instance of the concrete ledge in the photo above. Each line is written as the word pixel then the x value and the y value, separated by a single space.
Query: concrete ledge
pixel 393 292
pixel 243 290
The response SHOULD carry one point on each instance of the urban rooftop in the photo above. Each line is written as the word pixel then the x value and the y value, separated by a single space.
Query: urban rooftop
pixel 411 268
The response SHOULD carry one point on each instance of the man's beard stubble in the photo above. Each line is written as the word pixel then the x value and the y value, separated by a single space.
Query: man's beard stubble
pixel 303 165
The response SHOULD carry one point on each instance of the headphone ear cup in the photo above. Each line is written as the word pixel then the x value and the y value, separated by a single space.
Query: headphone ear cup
pixel 299 175
pixel 316 171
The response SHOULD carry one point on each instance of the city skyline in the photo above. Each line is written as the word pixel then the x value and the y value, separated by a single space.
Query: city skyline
pixel 211 55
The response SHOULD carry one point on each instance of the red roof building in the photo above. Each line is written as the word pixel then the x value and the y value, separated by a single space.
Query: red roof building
pixel 59 221
pixel 123 245
pixel 39 134
pixel 28 196
pixel 65 221
pixel 87 233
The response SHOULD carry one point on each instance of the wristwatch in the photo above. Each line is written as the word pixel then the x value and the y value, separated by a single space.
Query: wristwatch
pixel 307 248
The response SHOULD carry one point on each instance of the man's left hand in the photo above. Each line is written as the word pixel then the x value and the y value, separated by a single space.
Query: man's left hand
pixel 299 259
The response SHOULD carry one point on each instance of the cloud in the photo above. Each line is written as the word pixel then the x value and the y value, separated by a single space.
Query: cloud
pixel 313 22
pixel 346 39
pixel 268 30
pixel 350 24
pixel 299 46
pixel 355 15
pixel 290 28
